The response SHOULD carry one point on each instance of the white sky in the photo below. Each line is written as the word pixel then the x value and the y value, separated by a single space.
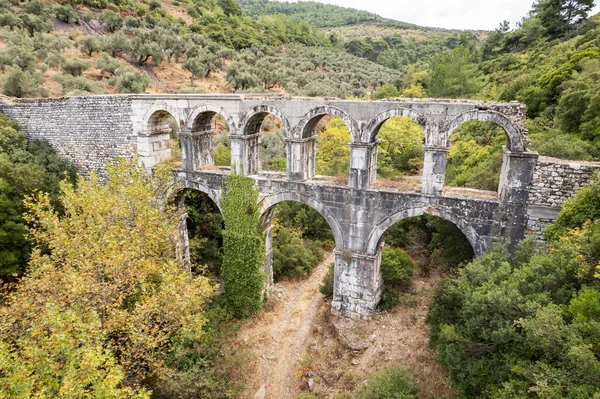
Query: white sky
pixel 451 14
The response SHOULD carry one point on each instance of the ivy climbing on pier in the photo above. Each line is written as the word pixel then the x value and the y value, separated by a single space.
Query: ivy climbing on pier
pixel 243 247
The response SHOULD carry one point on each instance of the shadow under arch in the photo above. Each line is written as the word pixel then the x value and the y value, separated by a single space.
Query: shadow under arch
pixel 214 195
pixel 210 111
pixel 158 111
pixel 252 119
pixel 371 129
pixel 379 230
pixel 514 138
pixel 311 119
pixel 269 202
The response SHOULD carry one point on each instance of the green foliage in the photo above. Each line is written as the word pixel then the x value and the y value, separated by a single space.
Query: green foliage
pixel 128 80
pixel 333 151
pixel 401 147
pixel 19 83
pixel 75 66
pixel 326 287
pixel 296 215
pixel 243 247
pixel 454 74
pixel 386 91
pixel 65 12
pixel 117 43
pixel 394 382
pixel 584 207
pixel 291 256
pixel 113 21
pixel 560 16
pixel 77 85
pixel 475 156
pixel 273 151
pixel 397 271
pixel 89 44
pixel 108 64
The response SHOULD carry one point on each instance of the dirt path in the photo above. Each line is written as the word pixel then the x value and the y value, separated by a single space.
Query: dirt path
pixel 279 336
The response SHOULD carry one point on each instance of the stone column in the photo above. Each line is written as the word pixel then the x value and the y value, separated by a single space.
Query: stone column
pixel 183 241
pixel 196 149
pixel 238 153
pixel 357 284
pixel 269 260
pixel 253 152
pixel 434 170
pixel 517 172
pixel 300 154
pixel 363 165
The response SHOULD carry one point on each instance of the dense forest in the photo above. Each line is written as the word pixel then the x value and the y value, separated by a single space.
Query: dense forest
pixel 94 304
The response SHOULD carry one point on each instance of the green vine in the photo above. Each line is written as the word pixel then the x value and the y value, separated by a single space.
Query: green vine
pixel 243 247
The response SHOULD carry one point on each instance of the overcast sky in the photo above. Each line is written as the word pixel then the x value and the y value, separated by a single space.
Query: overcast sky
pixel 451 14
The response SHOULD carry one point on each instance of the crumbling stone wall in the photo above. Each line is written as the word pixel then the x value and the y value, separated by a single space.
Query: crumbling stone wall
pixel 86 130
pixel 554 181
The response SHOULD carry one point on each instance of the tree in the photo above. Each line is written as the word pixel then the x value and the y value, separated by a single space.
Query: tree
pixel 559 16
pixel 19 83
pixel 454 74
pixel 65 12
pixel 127 80
pixel 333 154
pixel 386 91
pixel 143 46
pixel 243 247
pixel 89 44
pixel 113 21
pixel 111 287
pixel 117 43
pixel 230 7
pixel 75 66
pixel 24 168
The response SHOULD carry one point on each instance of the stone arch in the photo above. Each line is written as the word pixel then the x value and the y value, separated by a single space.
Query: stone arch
pixel 252 119
pixel 310 120
pixel 371 129
pixel 209 111
pixel 514 136
pixel 270 201
pixel 182 184
pixel 154 117
pixel 377 233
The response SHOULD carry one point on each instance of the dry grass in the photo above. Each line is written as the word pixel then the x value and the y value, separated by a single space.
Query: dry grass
pixel 401 183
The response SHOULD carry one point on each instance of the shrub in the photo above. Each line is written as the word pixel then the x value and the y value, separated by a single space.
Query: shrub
pixel 326 287
pixel 108 64
pixel 75 66
pixel 88 44
pixel 65 12
pixel 55 59
pixel 386 91
pixel 113 21
pixel 77 84
pixel 127 80
pixel 117 43
pixel 19 83
pixel 291 257
pixel 391 383
pixel 396 270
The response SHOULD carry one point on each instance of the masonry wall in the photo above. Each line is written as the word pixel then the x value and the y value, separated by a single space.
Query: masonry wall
pixel 554 181
pixel 86 130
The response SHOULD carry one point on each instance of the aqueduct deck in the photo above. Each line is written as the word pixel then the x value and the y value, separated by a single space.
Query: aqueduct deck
pixel 90 130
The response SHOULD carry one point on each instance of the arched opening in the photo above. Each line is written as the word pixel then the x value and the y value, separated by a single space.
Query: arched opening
pixel 266 147
pixel 417 252
pixel 330 139
pixel 163 129
pixel 204 224
pixel 301 239
pixel 210 141
pixel 474 160
pixel 399 154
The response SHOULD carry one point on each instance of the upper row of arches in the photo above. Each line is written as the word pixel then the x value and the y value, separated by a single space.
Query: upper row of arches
pixel 201 118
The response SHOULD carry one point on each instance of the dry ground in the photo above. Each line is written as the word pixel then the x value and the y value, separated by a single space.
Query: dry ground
pixel 297 348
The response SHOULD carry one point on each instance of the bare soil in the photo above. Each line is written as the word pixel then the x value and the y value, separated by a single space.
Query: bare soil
pixel 296 343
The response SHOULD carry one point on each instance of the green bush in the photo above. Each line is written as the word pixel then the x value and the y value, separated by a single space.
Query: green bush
pixel 113 21
pixel 75 66
pixel 89 44
pixel 326 287
pixel 291 257
pixel 65 12
pixel 128 80
pixel 108 64
pixel 396 270
pixel 19 83
pixel 391 383
pixel 77 84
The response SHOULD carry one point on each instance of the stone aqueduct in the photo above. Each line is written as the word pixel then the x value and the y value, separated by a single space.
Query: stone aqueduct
pixel 90 130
